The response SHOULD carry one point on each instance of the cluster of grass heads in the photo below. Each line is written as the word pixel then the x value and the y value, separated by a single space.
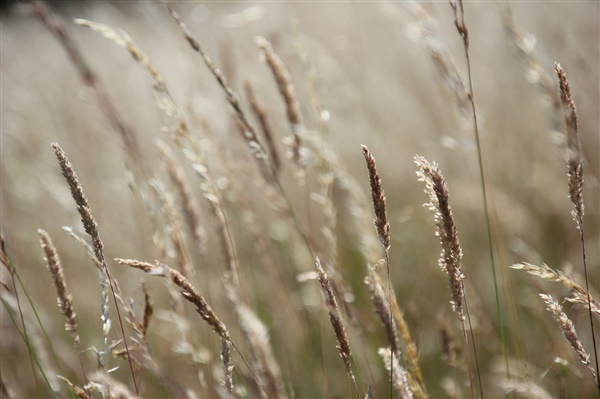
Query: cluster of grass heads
pixel 195 193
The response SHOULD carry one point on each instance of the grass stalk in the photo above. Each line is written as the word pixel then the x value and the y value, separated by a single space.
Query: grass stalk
pixel 461 27
pixel 91 227
pixel 450 258
pixel 337 323
pixel 575 184
pixel 382 227
pixel 65 300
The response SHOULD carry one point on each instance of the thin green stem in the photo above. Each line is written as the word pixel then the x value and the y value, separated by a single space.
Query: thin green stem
pixel 474 346
pixel 462 29
pixel 589 298
pixel 14 273
pixel 30 350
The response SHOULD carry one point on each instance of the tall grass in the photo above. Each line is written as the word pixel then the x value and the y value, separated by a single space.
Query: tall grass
pixel 219 146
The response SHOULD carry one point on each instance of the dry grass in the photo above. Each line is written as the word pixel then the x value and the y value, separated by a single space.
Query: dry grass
pixel 178 134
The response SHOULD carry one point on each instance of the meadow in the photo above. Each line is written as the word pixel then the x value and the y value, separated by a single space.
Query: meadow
pixel 300 200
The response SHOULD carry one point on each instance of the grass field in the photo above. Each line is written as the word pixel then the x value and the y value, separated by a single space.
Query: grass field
pixel 251 177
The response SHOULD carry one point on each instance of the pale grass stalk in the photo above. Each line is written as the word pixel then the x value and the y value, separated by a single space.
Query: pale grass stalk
pixel 337 322
pixel 91 227
pixel 260 112
pixel 568 330
pixel 188 204
pixel 65 299
pixel 427 33
pixel 173 230
pixel 575 163
pixel 323 196
pixel 265 364
pixel 57 27
pixel 266 165
pixel 399 376
pixel 256 147
pixel 525 45
pixel 187 143
pixel 320 114
pixel 283 79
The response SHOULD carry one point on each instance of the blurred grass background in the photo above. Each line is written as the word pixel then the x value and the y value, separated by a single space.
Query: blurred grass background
pixel 379 87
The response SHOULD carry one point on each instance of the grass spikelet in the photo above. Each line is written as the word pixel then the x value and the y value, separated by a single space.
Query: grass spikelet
pixel 382 308
pixel 207 314
pixel 65 299
pixel 378 195
pixel 577 293
pixel 91 228
pixel 575 184
pixel 450 258
pixel 399 376
pixel 574 156
pixel 568 329
pixel 202 307
pixel 336 322
pixel 89 223
pixel 382 227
